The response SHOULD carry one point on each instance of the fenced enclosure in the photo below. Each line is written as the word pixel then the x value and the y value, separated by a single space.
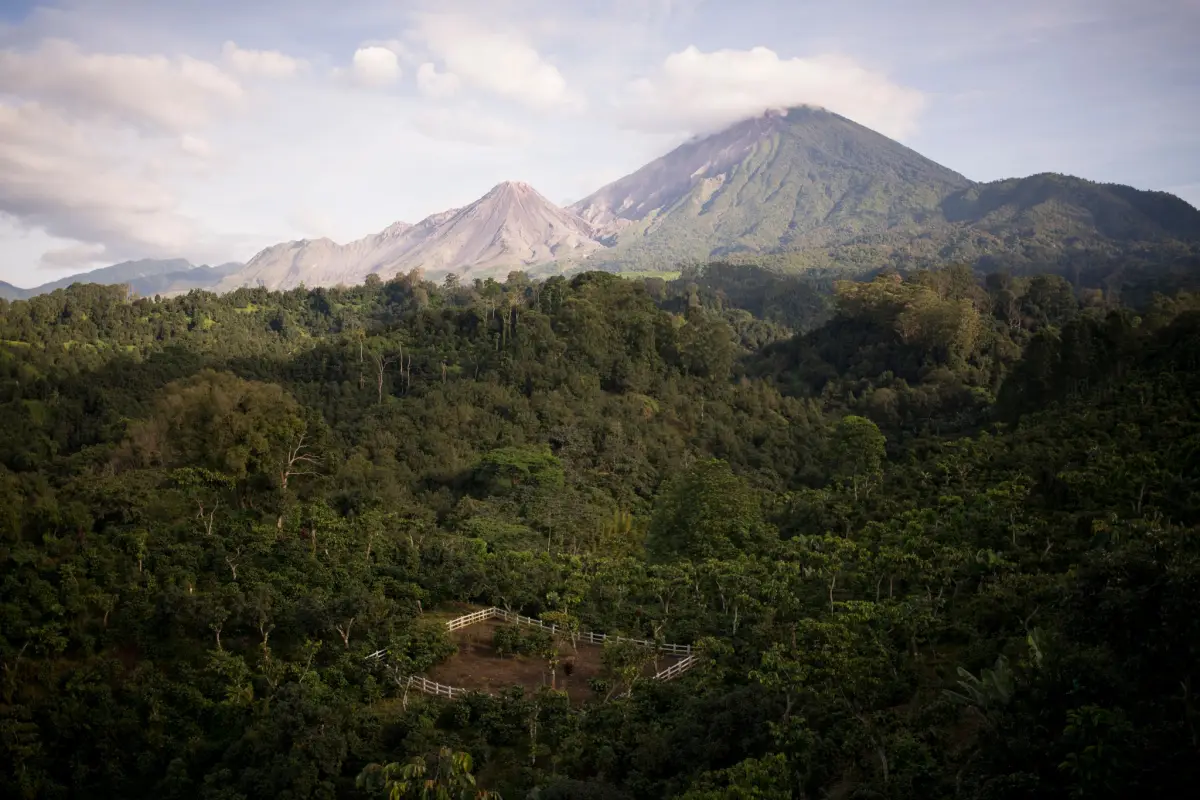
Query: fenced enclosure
pixel 583 636
pixel 688 659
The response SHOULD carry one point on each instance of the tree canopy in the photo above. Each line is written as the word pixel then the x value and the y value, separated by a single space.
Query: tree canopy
pixel 929 535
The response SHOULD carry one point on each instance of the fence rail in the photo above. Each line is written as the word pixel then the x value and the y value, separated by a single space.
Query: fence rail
pixel 676 669
pixel 470 619
pixel 433 687
pixel 585 636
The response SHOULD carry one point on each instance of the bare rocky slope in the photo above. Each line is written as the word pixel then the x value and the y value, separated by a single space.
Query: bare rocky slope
pixel 510 227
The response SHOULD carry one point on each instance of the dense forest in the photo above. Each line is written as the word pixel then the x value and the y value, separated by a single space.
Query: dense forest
pixel 932 535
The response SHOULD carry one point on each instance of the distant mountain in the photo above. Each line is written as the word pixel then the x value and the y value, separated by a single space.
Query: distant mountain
pixel 144 277
pixel 171 283
pixel 794 190
pixel 320 262
pixel 805 177
pixel 808 188
pixel 510 227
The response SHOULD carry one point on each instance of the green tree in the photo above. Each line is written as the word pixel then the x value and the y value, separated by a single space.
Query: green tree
pixel 707 512
pixel 859 450
pixel 447 778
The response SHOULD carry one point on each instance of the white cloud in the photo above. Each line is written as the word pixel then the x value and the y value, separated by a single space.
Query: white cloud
pixel 696 92
pixel 311 223
pixel 73 257
pixel 466 127
pixel 171 95
pixel 194 146
pixel 69 179
pixel 432 83
pixel 496 61
pixel 261 63
pixel 376 66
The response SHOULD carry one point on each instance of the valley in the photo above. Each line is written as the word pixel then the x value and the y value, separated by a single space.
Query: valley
pixel 916 530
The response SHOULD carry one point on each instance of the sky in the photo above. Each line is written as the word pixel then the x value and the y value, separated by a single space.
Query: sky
pixel 209 130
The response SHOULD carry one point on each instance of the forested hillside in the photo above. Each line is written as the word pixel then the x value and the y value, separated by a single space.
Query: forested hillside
pixel 931 537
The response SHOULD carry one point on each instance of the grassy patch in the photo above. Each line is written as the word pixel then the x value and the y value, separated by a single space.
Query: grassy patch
pixel 665 274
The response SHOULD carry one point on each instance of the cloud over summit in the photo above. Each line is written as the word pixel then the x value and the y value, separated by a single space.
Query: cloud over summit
pixel 693 91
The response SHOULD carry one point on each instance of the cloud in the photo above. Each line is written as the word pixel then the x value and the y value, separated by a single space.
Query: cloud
pixel 466 127
pixel 154 92
pixel 496 61
pixel 261 63
pixel 73 257
pixel 194 146
pixel 432 83
pixel 311 223
pixel 376 66
pixel 695 92
pixel 68 179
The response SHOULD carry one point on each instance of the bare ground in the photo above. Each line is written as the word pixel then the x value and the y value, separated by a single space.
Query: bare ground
pixel 477 666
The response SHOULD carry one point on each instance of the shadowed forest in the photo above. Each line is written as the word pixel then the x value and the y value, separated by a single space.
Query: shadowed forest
pixel 932 535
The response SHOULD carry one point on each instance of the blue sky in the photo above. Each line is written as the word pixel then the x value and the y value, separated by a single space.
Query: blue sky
pixel 209 130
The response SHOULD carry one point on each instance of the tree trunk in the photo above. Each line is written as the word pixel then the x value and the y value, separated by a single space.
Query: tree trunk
pixel 344 631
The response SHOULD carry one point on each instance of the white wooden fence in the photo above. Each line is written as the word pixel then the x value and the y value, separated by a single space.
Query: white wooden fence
pixel 583 636
pixel 471 619
pixel 442 690
pixel 433 687
pixel 676 669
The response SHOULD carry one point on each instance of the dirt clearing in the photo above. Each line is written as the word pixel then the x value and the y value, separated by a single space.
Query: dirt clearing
pixel 478 666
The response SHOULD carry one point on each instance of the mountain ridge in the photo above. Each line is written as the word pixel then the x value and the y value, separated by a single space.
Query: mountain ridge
pixel 512 226
pixel 856 200
pixel 697 172
pixel 144 276
pixel 795 189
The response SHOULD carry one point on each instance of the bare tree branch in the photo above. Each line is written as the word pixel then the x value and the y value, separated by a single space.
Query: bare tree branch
pixel 298 462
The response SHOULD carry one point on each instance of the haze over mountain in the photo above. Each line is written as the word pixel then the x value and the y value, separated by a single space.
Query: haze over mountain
pixel 510 227
pixel 145 277
pixel 794 189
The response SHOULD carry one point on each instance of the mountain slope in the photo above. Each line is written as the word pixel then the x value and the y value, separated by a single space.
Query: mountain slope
pixel 1099 234
pixel 511 227
pixel 801 178
pixel 1066 206
pixel 810 189
pixel 321 262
